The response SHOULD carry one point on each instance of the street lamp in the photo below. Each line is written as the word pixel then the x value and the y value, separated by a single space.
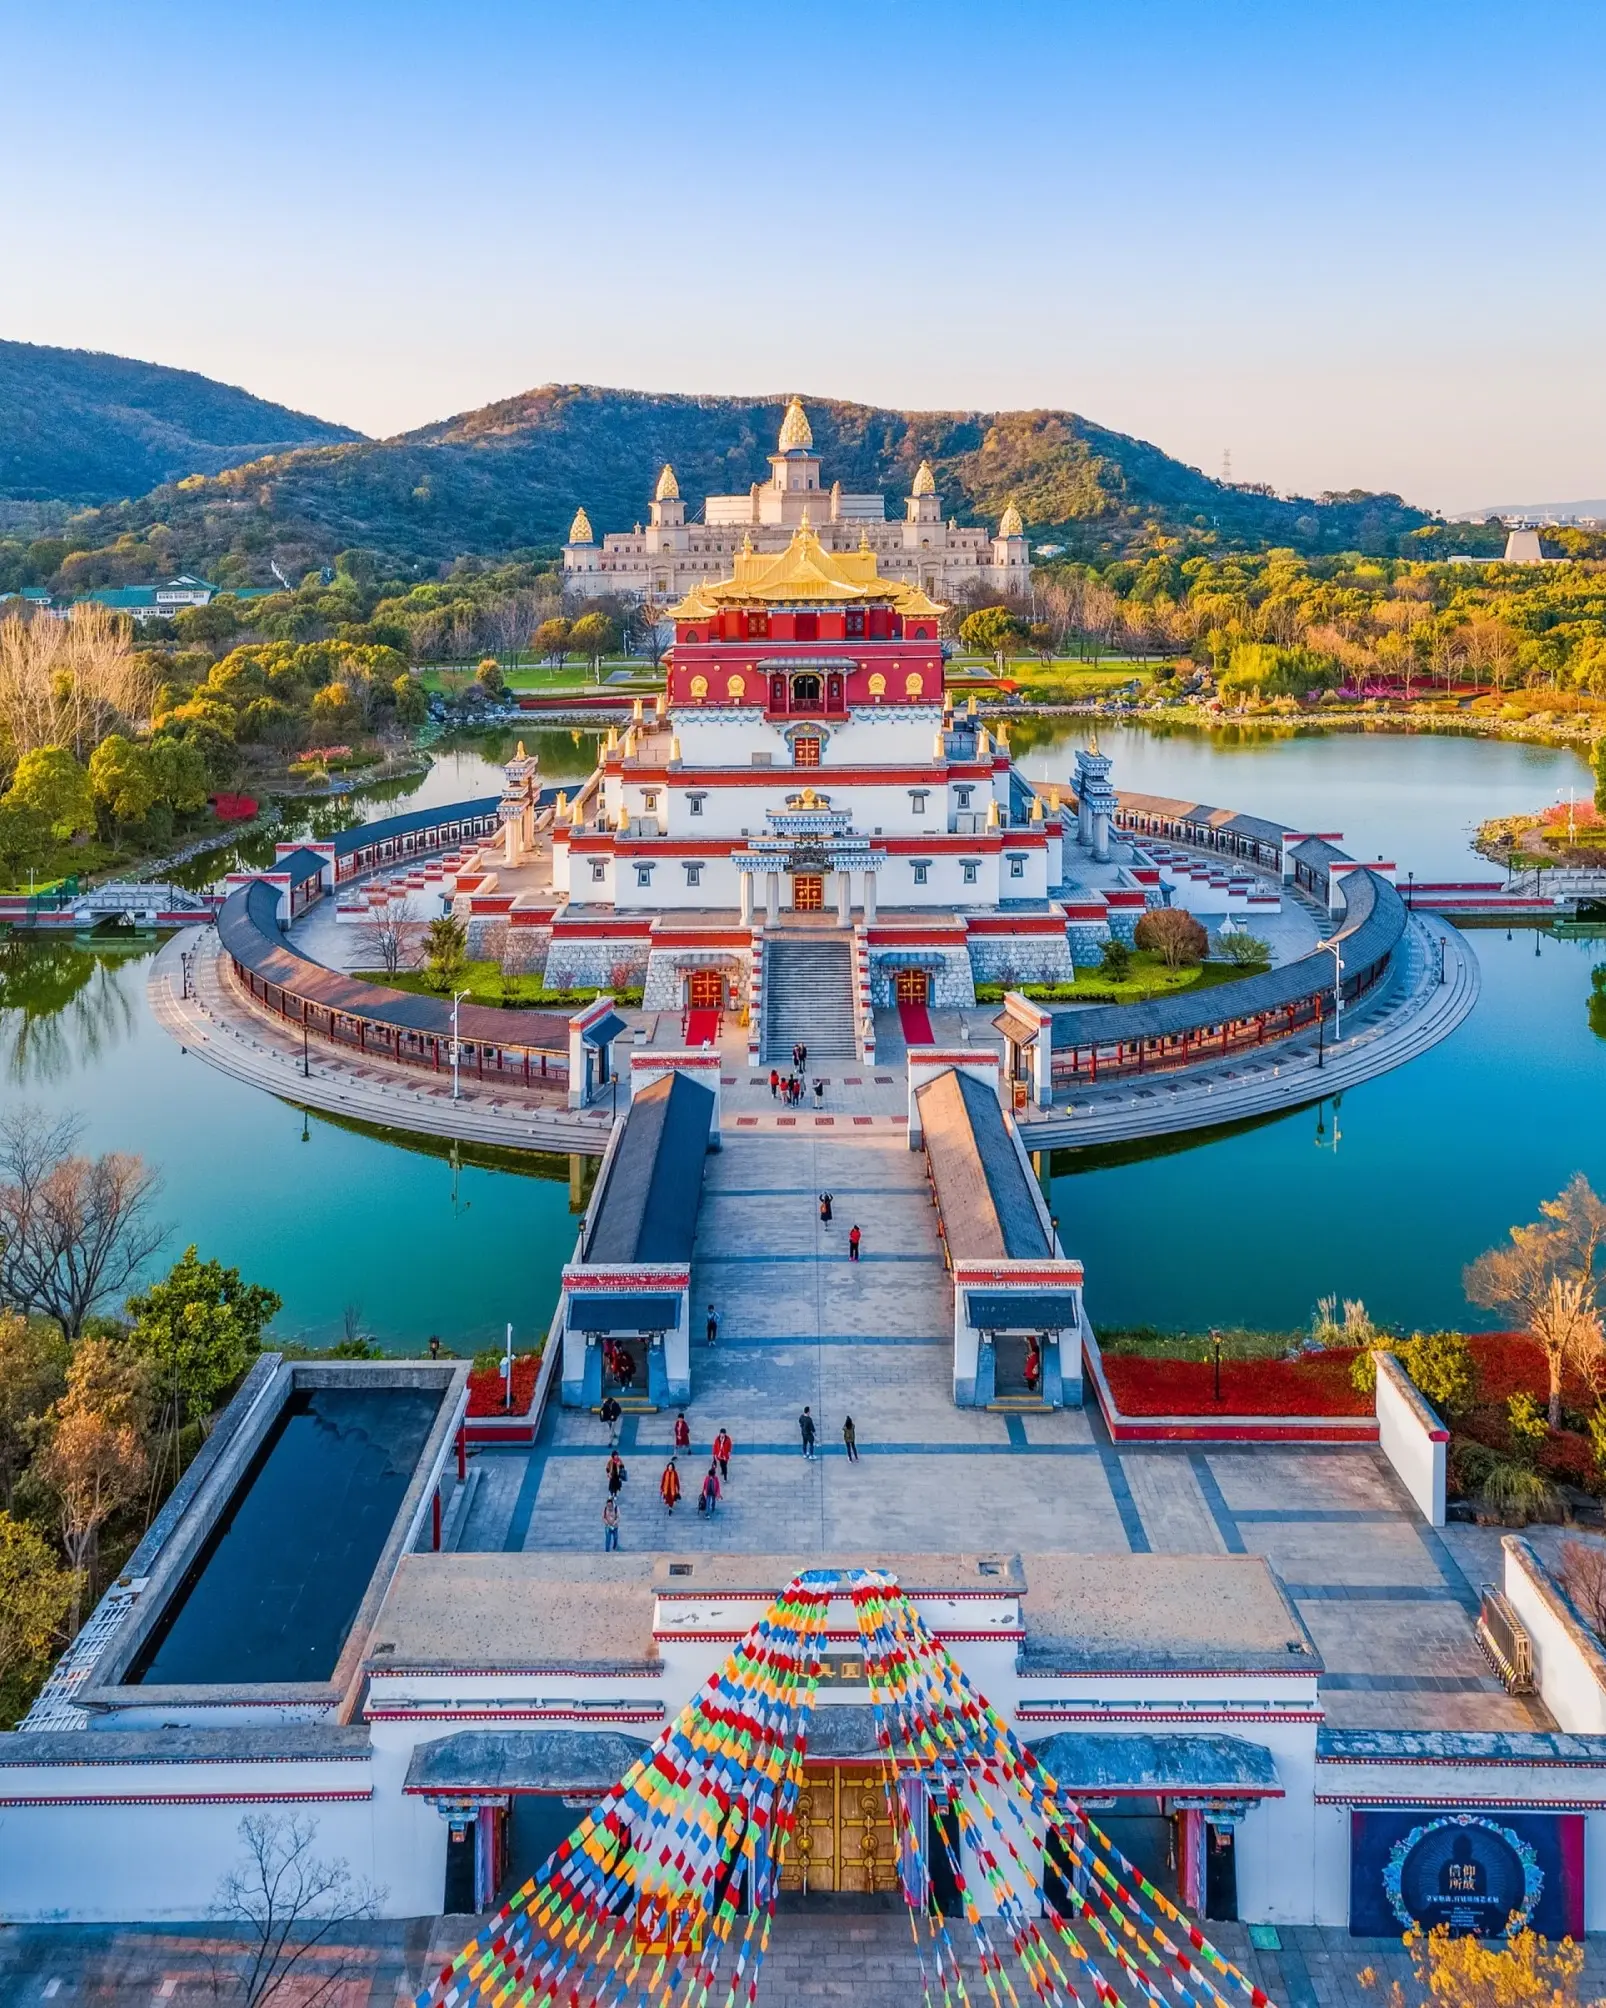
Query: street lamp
pixel 613 1084
pixel 1335 948
pixel 1215 1358
pixel 1410 886
pixel 306 1067
pixel 457 998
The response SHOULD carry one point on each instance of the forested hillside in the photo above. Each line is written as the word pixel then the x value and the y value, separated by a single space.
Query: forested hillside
pixel 508 478
pixel 80 427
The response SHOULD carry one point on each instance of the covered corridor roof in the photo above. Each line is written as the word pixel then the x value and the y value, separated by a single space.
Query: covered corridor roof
pixel 984 1192
pixel 647 1210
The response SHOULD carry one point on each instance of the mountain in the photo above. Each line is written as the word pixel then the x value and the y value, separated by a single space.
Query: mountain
pixel 77 426
pixel 509 477
pixel 1542 512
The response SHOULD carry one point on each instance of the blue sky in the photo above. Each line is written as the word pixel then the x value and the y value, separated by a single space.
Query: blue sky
pixel 1360 245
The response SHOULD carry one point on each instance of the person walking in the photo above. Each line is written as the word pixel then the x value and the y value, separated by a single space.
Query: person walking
pixel 610 1413
pixel 775 1084
pixel 796 1049
pixel 825 1208
pixel 713 1324
pixel 708 1497
pixel 819 1092
pixel 682 1432
pixel 617 1474
pixel 669 1486
pixel 610 1524
pixel 850 1438
pixel 805 1425
pixel 722 1453
pixel 802 1059
pixel 853 1244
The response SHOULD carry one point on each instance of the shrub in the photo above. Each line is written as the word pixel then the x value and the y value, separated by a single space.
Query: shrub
pixel 487 1362
pixel 1174 935
pixel 1439 1364
pixel 1516 1491
pixel 1116 961
pixel 1246 951
pixel 1527 1424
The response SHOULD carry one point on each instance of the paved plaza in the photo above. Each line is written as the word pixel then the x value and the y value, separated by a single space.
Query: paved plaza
pixel 1389 1601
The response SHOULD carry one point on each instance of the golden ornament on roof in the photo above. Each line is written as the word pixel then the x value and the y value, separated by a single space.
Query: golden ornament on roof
pixel 925 480
pixel 668 489
pixel 796 436
pixel 806 573
pixel 1009 524
pixel 580 531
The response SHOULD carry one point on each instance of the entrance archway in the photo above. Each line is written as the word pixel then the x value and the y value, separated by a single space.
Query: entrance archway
pixel 808 892
pixel 913 986
pixel 705 990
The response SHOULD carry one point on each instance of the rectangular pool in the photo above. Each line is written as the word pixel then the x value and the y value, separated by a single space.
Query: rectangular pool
pixel 275 1587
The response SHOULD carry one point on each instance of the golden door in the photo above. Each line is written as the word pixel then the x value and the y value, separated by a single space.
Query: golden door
pixel 843 1839
pixel 808 892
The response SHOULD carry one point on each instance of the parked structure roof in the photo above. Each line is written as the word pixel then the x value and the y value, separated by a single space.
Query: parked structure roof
pixel 1097 1761
pixel 1374 920
pixel 300 866
pixel 983 1190
pixel 647 1209
pixel 361 835
pixel 1175 809
pixel 248 928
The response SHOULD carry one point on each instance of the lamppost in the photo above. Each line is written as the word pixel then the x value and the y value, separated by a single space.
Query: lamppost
pixel 613 1085
pixel 1336 949
pixel 306 1065
pixel 1215 1359
pixel 1410 886
pixel 457 998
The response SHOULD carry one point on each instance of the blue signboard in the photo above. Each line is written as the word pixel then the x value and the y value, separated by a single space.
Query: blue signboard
pixel 1488 1871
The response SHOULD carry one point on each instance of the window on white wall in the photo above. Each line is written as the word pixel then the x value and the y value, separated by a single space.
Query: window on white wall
pixel 694 874
pixel 695 804
pixel 649 802
pixel 922 872
pixel 963 797
pixel 643 874
pixel 1017 867
pixel 917 800
pixel 969 868
pixel 599 871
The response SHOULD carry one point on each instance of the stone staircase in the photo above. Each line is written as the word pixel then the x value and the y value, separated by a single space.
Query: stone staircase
pixel 808 996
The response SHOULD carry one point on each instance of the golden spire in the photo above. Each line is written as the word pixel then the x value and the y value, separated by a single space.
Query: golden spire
pixel 1093 740
pixel 925 480
pixel 803 522
pixel 747 543
pixel 668 489
pixel 580 531
pixel 521 754
pixel 1009 524
pixel 795 433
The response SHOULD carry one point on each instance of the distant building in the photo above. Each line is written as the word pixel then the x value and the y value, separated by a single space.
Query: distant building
pixel 146 603
pixel 671 557
pixel 1523 548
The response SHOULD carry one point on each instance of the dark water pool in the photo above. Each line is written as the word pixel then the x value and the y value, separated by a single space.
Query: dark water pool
pixel 274 1590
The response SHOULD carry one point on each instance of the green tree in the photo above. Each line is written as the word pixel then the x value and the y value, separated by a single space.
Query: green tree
pixel 490 678
pixel 994 631
pixel 1116 961
pixel 33 1372
pixel 199 1329
pixel 36 1594
pixel 180 772
pixel 1175 936
pixel 446 952
pixel 24 840
pixel 554 640
pixel 1597 760
pixel 412 706
pixel 51 781
pixel 594 636
pixel 122 779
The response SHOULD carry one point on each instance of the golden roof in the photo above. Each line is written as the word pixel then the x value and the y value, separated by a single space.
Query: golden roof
pixel 668 489
pixel 805 572
pixel 580 531
pixel 795 433
pixel 1009 524
pixel 925 480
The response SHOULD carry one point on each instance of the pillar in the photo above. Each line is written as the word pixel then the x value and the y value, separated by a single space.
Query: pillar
pixel 746 880
pixel 772 897
pixel 869 898
pixel 1101 838
pixel 844 898
pixel 510 839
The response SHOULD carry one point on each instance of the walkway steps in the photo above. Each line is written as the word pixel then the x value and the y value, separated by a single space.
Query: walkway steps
pixel 808 998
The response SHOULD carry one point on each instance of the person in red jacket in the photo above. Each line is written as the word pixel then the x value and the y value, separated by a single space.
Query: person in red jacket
pixel 722 1454
pixel 669 1486
pixel 682 1432
pixel 853 1244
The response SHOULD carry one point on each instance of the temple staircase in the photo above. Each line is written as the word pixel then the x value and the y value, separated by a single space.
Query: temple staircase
pixel 808 997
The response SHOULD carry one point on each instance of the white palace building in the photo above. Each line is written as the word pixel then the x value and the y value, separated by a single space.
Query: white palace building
pixel 670 557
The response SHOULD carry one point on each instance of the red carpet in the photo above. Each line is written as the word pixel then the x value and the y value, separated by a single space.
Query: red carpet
pixel 702 1028
pixel 916 1025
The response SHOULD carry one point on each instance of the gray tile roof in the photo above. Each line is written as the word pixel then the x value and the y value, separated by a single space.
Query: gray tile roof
pixel 647 1209
pixel 983 1191
pixel 361 835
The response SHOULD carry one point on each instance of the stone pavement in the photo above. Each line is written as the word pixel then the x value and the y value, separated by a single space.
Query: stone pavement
pixel 839 1955
pixel 1389 1601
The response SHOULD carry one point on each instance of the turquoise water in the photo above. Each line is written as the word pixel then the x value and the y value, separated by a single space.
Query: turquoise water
pixel 1431 1164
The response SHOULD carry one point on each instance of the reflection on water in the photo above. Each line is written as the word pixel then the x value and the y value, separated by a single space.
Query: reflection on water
pixel 1386 1198
pixel 59 1001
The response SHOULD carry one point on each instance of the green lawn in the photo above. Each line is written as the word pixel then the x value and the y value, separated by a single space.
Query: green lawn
pixel 1149 978
pixel 486 984
pixel 451 680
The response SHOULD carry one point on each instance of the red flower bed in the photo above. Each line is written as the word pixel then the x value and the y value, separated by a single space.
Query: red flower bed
pixel 486 1394
pixel 1511 1363
pixel 1319 1384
